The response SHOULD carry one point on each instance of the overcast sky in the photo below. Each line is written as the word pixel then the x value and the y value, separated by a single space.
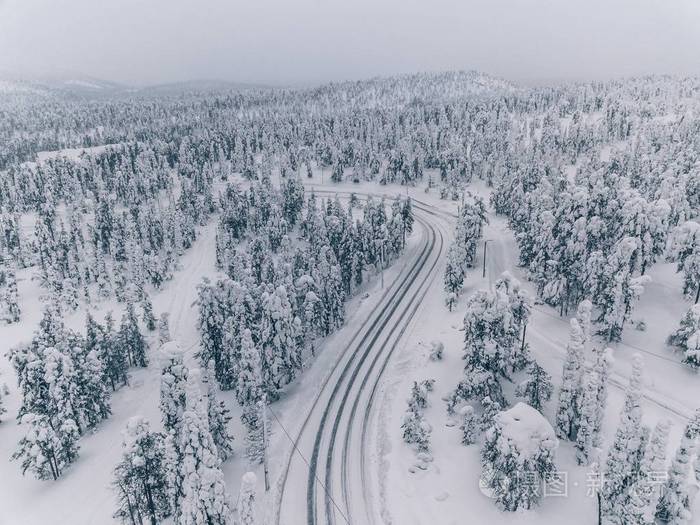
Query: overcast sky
pixel 310 41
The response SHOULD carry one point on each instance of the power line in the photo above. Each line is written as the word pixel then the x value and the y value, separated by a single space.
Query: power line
pixel 620 343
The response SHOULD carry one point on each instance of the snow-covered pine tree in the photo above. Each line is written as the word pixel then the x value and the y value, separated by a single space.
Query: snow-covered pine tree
pixel 537 388
pixel 211 325
pixel 202 497
pixel 517 457
pixel 173 381
pixel 583 316
pixel 407 216
pixel 685 250
pixel 249 386
pixel 130 338
pixel 640 505
pixel 147 310
pixel 92 389
pixel 469 425
pixel 470 226
pixel 164 328
pixel 623 466
pixel 140 478
pixel 246 499
pixel 251 417
pixel 618 289
pixel 218 417
pixel 601 366
pixel 416 430
pixel 454 276
pixel 491 409
pixel 113 354
pixel 281 354
pixel 570 390
pixel 104 284
pixel 687 337
pixel 11 297
pixel 586 418
pixel 63 399
pixel 494 326
pixel 674 503
pixel 44 450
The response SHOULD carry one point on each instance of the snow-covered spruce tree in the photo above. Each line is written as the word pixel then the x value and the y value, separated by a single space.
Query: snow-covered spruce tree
pixel 11 297
pixel 491 409
pixel 140 478
pixel 113 354
pixel 454 276
pixel 647 222
pixel 469 425
pixel 104 283
pixel 618 289
pixel 586 419
pixel 517 457
pixel 407 217
pixel 249 386
pixel 255 440
pixel 583 316
pixel 674 503
pixel 212 325
pixel 416 430
pixel 202 498
pixel 130 338
pixel 687 337
pixel 601 366
pixel 147 308
pixel 281 354
pixel 537 388
pixel 570 390
pixel 469 229
pixel 623 465
pixel 63 399
pixel 163 328
pixel 494 327
pixel 640 504
pixel 93 391
pixel 173 382
pixel 47 448
pixel 246 500
pixel 685 250
pixel 218 417
pixel 329 278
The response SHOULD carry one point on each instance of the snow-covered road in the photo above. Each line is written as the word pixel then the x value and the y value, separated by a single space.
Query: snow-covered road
pixel 331 467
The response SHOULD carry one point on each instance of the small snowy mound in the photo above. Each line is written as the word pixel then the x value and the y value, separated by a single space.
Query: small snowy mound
pixel 171 349
pixel 526 430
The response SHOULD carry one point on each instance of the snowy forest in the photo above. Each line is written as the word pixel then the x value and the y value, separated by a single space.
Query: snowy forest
pixel 403 300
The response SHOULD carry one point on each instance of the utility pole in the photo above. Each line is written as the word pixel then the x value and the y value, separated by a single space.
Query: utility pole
pixel 483 273
pixel 263 410
pixel 381 261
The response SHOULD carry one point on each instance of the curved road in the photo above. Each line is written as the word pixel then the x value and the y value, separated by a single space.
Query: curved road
pixel 329 477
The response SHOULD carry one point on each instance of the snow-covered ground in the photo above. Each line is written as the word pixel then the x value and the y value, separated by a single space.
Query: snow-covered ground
pixel 448 491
